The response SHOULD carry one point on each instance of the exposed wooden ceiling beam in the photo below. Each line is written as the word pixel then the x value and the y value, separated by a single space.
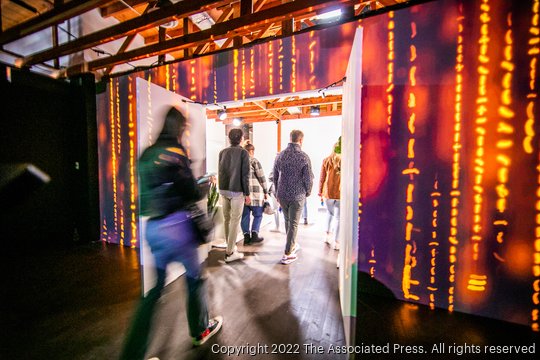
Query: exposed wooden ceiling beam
pixel 126 28
pixel 50 18
pixel 305 102
pixel 121 6
pixel 274 113
pixel 218 31
pixel 250 120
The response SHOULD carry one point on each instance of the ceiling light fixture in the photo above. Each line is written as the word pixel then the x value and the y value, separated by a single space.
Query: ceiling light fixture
pixel 237 122
pixel 329 15
pixel 222 114
pixel 315 110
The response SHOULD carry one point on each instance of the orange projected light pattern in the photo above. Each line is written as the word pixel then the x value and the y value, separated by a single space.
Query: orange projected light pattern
pixel 481 119
pixel 235 74
pixel 534 40
pixel 534 50
pixel 270 68
pixel 132 177
pixel 455 193
pixel 505 128
pixel 434 244
pixel 411 171
pixel 390 67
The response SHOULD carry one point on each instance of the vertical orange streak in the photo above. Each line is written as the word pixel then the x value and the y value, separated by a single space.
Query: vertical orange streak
pixel 270 68
pixel 235 74
pixel 132 157
pixel 534 39
pixel 410 171
pixel 434 244
pixel 118 205
pixel 390 68
pixel 455 194
pixel 312 44
pixel 293 64
pixel 481 119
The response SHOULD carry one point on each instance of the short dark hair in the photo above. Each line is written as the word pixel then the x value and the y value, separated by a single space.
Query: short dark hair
pixel 296 136
pixel 249 147
pixel 235 136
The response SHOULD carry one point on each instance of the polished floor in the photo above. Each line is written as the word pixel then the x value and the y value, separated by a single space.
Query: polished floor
pixel 77 302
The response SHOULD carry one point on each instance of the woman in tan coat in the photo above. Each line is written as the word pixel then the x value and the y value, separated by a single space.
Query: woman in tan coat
pixel 330 188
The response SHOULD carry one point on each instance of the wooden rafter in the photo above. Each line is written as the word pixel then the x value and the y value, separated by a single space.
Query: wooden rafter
pixel 218 31
pixel 52 17
pixel 126 28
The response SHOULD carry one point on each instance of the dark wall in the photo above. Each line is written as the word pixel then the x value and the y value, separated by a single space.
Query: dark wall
pixel 50 124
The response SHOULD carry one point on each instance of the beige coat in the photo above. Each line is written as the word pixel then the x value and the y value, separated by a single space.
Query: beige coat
pixel 330 180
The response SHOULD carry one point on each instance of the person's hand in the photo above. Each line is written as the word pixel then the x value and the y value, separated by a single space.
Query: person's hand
pixel 248 200
pixel 213 179
pixel 265 196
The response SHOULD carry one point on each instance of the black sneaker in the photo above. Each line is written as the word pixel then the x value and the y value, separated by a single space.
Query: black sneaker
pixel 214 325
pixel 255 238
pixel 247 239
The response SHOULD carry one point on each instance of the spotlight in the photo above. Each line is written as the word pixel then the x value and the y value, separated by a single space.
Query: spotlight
pixel 222 114
pixel 237 122
pixel 334 14
pixel 315 110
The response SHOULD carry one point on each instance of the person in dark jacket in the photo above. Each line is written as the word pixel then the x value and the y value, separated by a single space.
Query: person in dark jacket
pixel 233 182
pixel 293 178
pixel 167 191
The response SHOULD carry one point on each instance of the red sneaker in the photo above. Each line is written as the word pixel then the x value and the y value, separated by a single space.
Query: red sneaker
pixel 214 325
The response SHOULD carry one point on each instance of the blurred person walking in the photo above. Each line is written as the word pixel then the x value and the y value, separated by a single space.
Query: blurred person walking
pixel 168 191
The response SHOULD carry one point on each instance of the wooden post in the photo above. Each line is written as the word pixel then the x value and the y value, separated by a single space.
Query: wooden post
pixel 279 135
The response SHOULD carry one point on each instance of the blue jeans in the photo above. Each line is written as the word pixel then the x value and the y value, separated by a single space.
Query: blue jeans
pixel 171 238
pixel 246 217
pixel 333 212
pixel 292 210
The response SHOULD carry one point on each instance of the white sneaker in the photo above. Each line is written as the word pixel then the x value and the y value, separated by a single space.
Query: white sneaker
pixel 336 246
pixel 296 248
pixel 287 259
pixel 327 238
pixel 234 256
pixel 274 230
pixel 220 245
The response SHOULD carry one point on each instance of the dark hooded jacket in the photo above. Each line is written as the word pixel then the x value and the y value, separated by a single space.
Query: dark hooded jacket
pixel 166 180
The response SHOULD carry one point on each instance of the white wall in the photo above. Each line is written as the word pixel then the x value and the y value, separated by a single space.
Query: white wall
pixel 216 140
pixel 153 102
pixel 265 142
pixel 320 135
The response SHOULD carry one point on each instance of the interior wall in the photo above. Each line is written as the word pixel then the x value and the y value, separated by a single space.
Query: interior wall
pixel 216 140
pixel 320 135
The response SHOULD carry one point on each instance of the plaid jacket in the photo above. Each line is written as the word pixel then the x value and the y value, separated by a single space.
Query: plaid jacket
pixel 257 182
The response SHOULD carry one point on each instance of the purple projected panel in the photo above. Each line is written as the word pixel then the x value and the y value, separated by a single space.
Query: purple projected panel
pixel 450 178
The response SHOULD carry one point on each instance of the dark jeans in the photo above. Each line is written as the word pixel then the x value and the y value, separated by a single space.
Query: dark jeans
pixel 292 210
pixel 257 218
pixel 171 239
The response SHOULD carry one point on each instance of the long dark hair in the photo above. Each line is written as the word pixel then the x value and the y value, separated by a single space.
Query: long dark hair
pixel 174 123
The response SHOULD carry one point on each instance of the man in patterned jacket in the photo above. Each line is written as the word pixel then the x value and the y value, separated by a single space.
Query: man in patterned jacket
pixel 293 178
pixel 258 193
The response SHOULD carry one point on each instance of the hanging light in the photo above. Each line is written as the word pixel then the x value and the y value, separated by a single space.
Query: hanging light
pixel 315 110
pixel 237 122
pixel 222 114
